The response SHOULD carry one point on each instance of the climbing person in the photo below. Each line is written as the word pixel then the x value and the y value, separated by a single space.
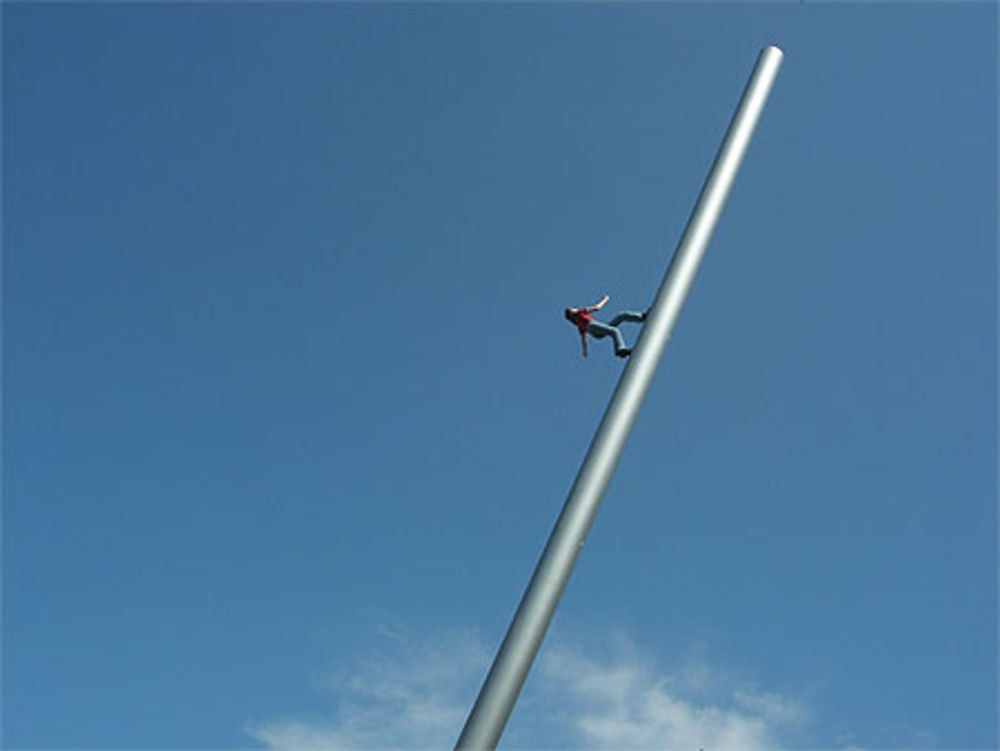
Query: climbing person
pixel 585 324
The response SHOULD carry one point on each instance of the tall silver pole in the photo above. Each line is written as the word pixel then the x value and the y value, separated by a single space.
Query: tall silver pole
pixel 500 690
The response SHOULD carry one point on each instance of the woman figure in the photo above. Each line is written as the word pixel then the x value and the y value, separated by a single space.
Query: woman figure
pixel 585 324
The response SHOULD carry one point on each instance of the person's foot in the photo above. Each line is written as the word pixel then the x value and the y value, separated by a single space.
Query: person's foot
pixel 623 352
pixel 644 316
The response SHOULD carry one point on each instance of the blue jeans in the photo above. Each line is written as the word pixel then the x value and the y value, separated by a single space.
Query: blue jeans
pixel 600 330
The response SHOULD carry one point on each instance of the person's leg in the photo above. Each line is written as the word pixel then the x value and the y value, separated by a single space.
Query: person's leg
pixel 600 330
pixel 629 316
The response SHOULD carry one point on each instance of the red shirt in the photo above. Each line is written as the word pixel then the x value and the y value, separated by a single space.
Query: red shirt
pixel 581 318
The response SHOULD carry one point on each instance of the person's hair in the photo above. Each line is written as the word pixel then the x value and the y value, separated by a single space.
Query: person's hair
pixel 568 313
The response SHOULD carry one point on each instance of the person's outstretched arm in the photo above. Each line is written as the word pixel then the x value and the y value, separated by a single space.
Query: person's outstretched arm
pixel 601 304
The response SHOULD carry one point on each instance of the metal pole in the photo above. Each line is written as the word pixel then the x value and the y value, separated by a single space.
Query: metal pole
pixel 500 690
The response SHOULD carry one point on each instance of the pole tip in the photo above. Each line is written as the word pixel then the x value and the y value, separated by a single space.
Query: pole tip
pixel 773 49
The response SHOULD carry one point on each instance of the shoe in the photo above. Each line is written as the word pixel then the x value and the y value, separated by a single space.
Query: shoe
pixel 623 352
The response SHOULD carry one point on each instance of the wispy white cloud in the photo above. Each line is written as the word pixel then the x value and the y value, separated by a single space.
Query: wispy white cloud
pixel 623 700
pixel 415 695
pixel 410 695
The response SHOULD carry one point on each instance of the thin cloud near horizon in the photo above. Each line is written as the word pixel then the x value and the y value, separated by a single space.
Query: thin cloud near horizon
pixel 415 694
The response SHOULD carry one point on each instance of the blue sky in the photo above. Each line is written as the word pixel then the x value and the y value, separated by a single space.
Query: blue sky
pixel 290 407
